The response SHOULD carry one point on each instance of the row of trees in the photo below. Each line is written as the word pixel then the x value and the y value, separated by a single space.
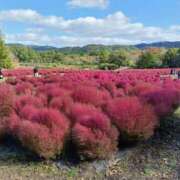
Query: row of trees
pixel 104 59
pixel 171 58
pixel 149 58
pixel 114 59
pixel 28 55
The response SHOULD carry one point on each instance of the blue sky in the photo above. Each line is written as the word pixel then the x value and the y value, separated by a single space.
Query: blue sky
pixel 80 22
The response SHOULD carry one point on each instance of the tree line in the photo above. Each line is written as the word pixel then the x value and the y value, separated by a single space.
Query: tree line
pixel 102 59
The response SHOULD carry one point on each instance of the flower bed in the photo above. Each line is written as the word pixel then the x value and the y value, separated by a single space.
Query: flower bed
pixel 91 110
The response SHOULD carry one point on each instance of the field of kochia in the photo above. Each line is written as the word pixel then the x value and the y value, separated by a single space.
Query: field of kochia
pixel 86 112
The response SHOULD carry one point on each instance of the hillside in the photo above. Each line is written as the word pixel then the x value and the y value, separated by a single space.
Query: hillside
pixel 165 44
pixel 98 47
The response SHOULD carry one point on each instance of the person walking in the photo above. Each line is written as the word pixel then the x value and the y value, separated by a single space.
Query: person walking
pixel 178 74
pixel 36 72
pixel 1 74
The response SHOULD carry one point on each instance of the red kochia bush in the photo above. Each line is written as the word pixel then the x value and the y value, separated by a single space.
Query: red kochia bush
pixel 24 88
pixel 6 100
pixel 142 88
pixel 44 133
pixel 90 95
pixel 135 120
pixel 52 90
pixel 164 101
pixel 6 106
pixel 24 100
pixel 93 134
pixel 63 103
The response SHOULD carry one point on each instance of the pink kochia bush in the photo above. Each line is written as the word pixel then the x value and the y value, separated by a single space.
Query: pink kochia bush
pixel 44 133
pixel 90 95
pixel 24 100
pixel 135 121
pixel 90 110
pixel 164 101
pixel 92 133
pixel 6 106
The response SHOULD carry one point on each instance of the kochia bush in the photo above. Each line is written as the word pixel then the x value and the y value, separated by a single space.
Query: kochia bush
pixel 6 100
pixel 90 95
pixel 135 121
pixel 63 104
pixel 24 100
pixel 164 101
pixel 91 107
pixel 93 134
pixel 6 106
pixel 44 133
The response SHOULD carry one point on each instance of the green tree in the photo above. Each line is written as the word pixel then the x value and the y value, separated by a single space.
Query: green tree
pixel 177 59
pixel 119 58
pixel 103 56
pixel 148 60
pixel 169 58
pixel 5 60
pixel 25 54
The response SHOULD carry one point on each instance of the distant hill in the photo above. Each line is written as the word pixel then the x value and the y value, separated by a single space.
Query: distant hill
pixel 77 50
pixel 35 47
pixel 95 48
pixel 165 44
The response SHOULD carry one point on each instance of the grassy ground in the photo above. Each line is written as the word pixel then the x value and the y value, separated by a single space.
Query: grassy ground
pixel 157 159
pixel 79 65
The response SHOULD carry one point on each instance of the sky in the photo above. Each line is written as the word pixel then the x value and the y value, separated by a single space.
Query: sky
pixel 80 22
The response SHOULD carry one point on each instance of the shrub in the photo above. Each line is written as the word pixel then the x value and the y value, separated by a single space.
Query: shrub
pixel 44 134
pixel 135 120
pixel 24 100
pixel 143 88
pixel 113 90
pixel 6 100
pixel 164 101
pixel 24 88
pixel 52 92
pixel 93 135
pixel 27 112
pixel 5 59
pixel 6 107
pixel 90 95
pixel 63 103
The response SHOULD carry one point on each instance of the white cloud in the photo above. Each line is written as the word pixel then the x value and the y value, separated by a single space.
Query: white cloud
pixel 60 41
pixel 115 28
pixel 35 30
pixel 88 3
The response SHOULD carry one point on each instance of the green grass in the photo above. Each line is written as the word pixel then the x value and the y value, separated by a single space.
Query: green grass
pixel 177 113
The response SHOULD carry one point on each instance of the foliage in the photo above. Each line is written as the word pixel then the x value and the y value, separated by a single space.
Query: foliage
pixel 6 107
pixel 43 133
pixel 148 60
pixel 103 56
pixel 94 56
pixel 5 60
pixel 177 59
pixel 164 101
pixel 119 58
pixel 93 134
pixel 169 58
pixel 107 66
pixel 136 121
pixel 89 110
pixel 90 95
